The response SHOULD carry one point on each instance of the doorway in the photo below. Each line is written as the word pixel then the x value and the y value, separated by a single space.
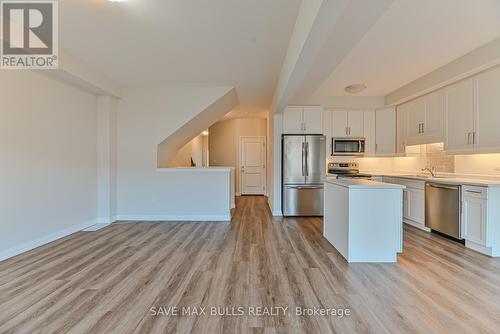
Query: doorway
pixel 252 163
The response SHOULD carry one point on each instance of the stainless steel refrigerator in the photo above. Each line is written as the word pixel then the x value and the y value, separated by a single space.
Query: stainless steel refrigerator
pixel 303 173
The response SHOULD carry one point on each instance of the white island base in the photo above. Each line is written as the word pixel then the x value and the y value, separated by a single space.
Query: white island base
pixel 363 219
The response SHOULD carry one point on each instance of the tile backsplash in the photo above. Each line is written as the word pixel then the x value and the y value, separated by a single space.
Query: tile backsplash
pixel 431 155
pixel 437 157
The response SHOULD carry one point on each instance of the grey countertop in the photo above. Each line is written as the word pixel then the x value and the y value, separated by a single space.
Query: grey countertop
pixel 448 179
pixel 363 183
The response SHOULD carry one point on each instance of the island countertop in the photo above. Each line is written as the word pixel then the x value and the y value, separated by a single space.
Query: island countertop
pixel 363 183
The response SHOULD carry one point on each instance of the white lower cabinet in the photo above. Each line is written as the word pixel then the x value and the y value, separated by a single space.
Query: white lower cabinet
pixel 474 214
pixel 416 206
pixel 413 201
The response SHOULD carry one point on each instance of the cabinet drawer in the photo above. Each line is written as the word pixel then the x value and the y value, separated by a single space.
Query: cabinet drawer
pixel 473 191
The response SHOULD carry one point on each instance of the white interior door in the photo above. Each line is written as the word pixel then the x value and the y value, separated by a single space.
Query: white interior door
pixel 253 165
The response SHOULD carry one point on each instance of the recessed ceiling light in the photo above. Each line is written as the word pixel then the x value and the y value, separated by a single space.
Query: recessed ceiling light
pixel 204 133
pixel 355 88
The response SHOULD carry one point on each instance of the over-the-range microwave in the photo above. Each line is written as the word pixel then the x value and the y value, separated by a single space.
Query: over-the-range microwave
pixel 348 146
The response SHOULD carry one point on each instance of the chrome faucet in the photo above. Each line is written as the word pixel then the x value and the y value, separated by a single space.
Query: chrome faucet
pixel 430 170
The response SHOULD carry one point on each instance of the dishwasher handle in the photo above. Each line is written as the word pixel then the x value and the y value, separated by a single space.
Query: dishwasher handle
pixel 441 186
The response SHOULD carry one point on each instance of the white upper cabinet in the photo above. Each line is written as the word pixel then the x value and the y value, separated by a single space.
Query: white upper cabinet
pixel 348 124
pixel 425 119
pixel 416 119
pixel 327 130
pixel 487 117
pixel 303 120
pixel 459 107
pixel 313 120
pixel 355 123
pixel 401 129
pixel 339 127
pixel 292 120
pixel 385 132
pixel 432 129
pixel 369 132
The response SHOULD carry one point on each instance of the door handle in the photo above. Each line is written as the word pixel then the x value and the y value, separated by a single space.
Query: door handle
pixel 473 191
pixel 441 186
pixel 468 138
pixel 474 137
pixel 303 154
pixel 346 131
pixel 304 187
pixel 307 158
pixel 423 127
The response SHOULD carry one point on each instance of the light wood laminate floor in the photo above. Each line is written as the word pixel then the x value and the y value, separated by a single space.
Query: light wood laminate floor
pixel 107 281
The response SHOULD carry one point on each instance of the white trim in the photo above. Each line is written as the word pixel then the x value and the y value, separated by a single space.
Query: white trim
pixel 194 169
pixel 238 194
pixel 277 213
pixel 95 227
pixel 29 245
pixel 479 248
pixel 105 221
pixel 190 218
pixel 417 225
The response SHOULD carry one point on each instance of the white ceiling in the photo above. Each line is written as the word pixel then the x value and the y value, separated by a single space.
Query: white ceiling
pixel 413 38
pixel 183 42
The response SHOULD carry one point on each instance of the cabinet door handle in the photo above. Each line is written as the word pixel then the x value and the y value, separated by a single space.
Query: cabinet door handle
pixel 473 191
pixel 423 127
pixel 468 138
pixel 346 131
pixel 474 138
pixel 349 131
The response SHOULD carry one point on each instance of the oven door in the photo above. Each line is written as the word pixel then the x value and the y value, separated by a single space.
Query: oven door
pixel 348 146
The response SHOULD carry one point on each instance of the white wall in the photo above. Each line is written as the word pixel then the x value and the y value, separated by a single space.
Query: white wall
pixel 106 159
pixel 145 117
pixel 270 160
pixel 192 150
pixel 224 140
pixel 278 131
pixel 48 174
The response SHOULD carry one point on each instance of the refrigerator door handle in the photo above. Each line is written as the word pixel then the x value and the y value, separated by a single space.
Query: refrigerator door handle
pixel 303 154
pixel 307 159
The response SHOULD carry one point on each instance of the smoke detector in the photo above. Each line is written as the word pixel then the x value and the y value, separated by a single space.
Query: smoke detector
pixel 355 88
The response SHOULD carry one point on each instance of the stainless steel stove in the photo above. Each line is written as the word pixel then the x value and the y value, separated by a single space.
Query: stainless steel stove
pixel 342 170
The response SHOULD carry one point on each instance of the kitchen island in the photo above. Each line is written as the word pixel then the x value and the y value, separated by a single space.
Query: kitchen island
pixel 363 219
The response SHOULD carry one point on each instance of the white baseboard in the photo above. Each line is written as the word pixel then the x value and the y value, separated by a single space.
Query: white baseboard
pixel 155 218
pixel 29 245
pixel 417 225
pixel 277 213
pixel 105 221
pixel 95 227
pixel 479 248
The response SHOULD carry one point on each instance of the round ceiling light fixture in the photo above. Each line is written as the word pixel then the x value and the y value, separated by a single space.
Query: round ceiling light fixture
pixel 355 88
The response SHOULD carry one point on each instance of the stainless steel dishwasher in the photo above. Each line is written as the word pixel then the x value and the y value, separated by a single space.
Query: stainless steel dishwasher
pixel 442 209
